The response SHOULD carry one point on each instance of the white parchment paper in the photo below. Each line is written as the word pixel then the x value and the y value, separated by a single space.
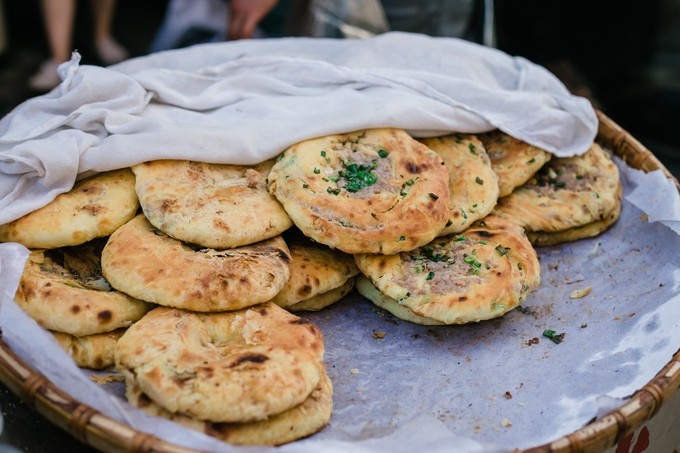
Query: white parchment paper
pixel 492 386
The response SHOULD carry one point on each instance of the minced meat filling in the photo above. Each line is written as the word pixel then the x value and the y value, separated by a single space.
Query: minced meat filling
pixel 562 177
pixel 447 266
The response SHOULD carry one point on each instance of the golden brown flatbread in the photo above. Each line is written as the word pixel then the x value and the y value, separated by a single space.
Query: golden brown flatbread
pixel 479 274
pixel 145 263
pixel 372 191
pixel 323 300
pixel 212 205
pixel 95 207
pixel 63 290
pixel 566 193
pixel 513 160
pixel 315 269
pixel 297 422
pixel 473 184
pixel 370 292
pixel 90 351
pixel 592 229
pixel 237 366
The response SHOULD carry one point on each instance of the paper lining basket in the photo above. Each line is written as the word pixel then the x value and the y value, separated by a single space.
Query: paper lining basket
pixel 92 428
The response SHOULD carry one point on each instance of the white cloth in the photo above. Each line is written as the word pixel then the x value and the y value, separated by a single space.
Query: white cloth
pixel 246 101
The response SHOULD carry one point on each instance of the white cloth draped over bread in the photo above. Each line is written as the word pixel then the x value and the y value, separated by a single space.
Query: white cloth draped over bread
pixel 246 101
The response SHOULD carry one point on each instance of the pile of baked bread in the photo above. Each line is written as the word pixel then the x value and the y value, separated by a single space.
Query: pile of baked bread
pixel 192 297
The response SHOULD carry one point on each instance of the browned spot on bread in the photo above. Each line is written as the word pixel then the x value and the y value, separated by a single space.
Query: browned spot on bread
pixel 75 309
pixel 305 291
pixel 249 358
pixel 220 225
pixel 92 209
pixel 414 167
pixel 206 371
pixel 104 316
pixel 462 298
pixel 485 234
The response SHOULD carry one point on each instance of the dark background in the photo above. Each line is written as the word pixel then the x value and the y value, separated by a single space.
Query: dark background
pixel 623 55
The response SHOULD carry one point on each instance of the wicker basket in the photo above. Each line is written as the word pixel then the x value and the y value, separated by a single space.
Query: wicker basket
pixel 92 428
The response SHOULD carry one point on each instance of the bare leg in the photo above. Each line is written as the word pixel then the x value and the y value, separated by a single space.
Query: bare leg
pixel 108 49
pixel 103 18
pixel 58 16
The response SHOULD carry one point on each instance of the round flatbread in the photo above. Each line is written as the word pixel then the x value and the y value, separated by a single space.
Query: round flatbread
pixel 145 263
pixel 95 207
pixel 323 300
pixel 566 193
pixel 592 229
pixel 473 185
pixel 480 274
pixel 300 421
pixel 238 366
pixel 212 205
pixel 314 269
pixel 63 290
pixel 95 352
pixel 372 191
pixel 370 292
pixel 513 160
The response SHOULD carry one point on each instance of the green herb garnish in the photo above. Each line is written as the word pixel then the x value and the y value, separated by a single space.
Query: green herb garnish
pixel 383 153
pixel 358 176
pixel 430 276
pixel 479 181
pixel 554 337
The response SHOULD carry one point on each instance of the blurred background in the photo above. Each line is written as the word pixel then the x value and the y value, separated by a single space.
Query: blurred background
pixel 622 55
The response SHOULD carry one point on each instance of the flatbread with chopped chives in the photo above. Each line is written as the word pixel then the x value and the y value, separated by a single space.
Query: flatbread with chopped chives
pixel 371 191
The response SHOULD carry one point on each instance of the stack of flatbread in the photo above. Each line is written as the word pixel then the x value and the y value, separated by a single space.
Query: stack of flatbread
pixel 190 297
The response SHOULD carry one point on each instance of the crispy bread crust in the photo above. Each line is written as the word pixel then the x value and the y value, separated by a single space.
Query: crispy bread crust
pixel 405 206
pixel 95 207
pixel 148 265
pixel 237 366
pixel 212 205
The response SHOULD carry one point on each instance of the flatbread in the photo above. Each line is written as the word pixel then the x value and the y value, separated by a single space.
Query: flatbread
pixel 300 421
pixel 95 207
pixel 212 205
pixel 145 263
pixel 238 366
pixel 95 352
pixel 566 193
pixel 372 191
pixel 480 274
pixel 315 269
pixel 513 160
pixel 473 184
pixel 370 292
pixel 592 229
pixel 323 300
pixel 63 290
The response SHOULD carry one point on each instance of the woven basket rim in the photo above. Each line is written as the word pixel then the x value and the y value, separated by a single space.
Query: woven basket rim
pixel 99 431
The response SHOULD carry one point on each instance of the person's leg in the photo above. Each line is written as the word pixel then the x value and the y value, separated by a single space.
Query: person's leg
pixel 108 49
pixel 58 16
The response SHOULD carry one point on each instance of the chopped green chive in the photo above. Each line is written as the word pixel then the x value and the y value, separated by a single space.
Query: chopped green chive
pixel 479 181
pixel 430 276
pixel 316 171
pixel 383 153
pixel 554 337
pixel 433 196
